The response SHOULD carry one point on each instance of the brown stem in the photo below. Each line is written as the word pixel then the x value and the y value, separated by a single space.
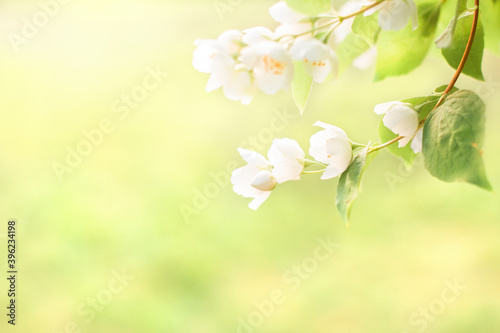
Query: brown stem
pixel 462 62
pixel 454 79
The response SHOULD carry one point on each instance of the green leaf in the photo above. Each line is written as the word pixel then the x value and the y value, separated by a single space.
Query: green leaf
pixel 310 7
pixel 453 54
pixel 349 183
pixel 400 52
pixel 367 28
pixel 445 39
pixel 405 153
pixel 453 137
pixel 349 49
pixel 301 85
pixel 442 88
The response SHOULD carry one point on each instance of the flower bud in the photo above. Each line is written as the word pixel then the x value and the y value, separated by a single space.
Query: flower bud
pixel 264 181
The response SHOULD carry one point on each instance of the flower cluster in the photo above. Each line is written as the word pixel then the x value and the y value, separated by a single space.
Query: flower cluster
pixel 330 148
pixel 244 62
pixel 286 161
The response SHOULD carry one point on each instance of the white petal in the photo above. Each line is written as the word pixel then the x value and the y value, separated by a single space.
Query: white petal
pixel 311 50
pixel 264 181
pixel 259 199
pixel 318 146
pixel 238 86
pixel 404 141
pixel 401 120
pixel 287 170
pixel 222 67
pixel 285 148
pixel 256 35
pixel 331 171
pixel 254 158
pixel 287 159
pixel 204 54
pixel 394 16
pixel 213 83
pixel 274 70
pixel 249 57
pixel 334 129
pixel 319 59
pixel 281 13
pixel 339 153
pixel 384 107
pixel 294 29
pixel 231 41
pixel 331 146
pixel 416 144
pixel 413 13
pixel 241 179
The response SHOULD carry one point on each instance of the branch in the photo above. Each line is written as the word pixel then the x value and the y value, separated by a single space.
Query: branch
pixel 454 78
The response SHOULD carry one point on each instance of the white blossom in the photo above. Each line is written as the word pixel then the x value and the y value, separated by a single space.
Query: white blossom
pixel 259 177
pixel 291 23
pixel 217 57
pixel 319 59
pixel 256 35
pixel 331 146
pixel 287 159
pixel 255 179
pixel 395 14
pixel 271 65
pixel 203 55
pixel 283 14
pixel 402 120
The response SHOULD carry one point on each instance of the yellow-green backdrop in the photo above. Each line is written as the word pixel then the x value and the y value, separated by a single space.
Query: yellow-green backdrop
pixel 144 233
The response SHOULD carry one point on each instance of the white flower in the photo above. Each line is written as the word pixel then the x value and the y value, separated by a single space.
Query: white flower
pixel 237 85
pixel 402 120
pixel 240 87
pixel 256 35
pixel 283 14
pixel 292 23
pixel 264 181
pixel 331 146
pixel 319 59
pixel 229 43
pixel 287 159
pixel 259 177
pixel 395 14
pixel 271 65
pixel 416 143
pixel 255 179
pixel 216 57
pixel 203 55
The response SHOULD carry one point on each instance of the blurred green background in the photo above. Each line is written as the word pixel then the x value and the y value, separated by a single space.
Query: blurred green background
pixel 119 210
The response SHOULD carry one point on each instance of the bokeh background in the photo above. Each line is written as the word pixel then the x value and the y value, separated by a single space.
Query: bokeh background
pixel 120 209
